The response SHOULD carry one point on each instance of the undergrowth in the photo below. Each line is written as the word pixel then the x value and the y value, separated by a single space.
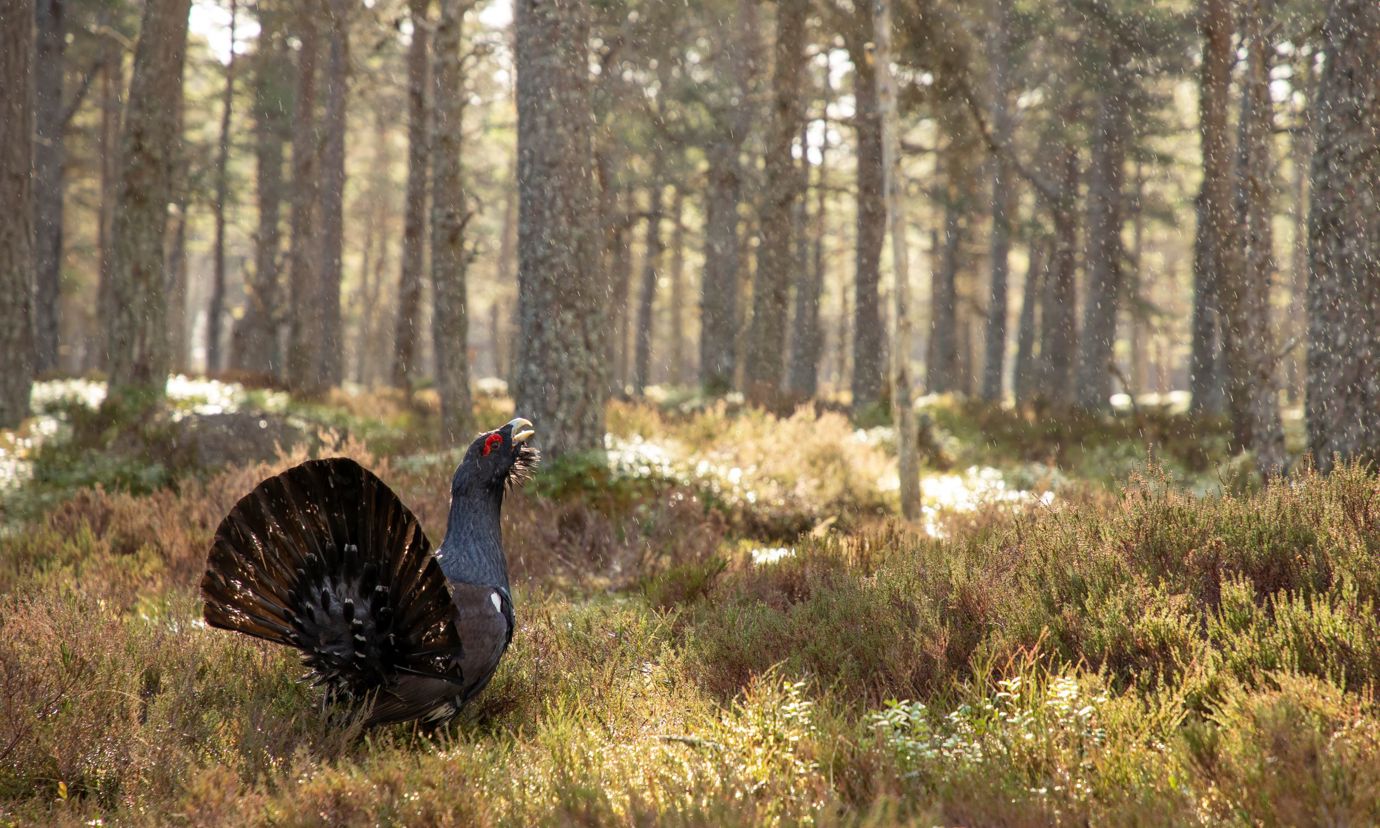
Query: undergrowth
pixel 1130 655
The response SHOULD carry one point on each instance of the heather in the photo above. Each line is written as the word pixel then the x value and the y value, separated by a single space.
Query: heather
pixel 721 622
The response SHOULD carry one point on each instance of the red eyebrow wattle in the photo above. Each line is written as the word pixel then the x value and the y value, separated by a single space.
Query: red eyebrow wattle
pixel 490 441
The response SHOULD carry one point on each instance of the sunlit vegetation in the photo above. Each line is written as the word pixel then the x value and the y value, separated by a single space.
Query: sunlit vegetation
pixel 724 625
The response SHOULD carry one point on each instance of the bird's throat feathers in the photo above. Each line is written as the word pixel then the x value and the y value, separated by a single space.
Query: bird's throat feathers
pixel 472 551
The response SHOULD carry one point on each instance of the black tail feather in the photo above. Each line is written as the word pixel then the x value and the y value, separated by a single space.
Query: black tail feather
pixel 325 558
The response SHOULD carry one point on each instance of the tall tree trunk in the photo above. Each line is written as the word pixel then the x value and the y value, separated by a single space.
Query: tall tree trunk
pixel 305 324
pixel 216 311
pixel 1253 393
pixel 941 369
pixel 17 257
pixel 333 122
pixel 449 215
pixel 651 269
pixel 1215 231
pixel 719 285
pixel 676 352
pixel 1137 288
pixel 902 398
pixel 561 371
pixel 1344 241
pixel 807 339
pixel 1003 205
pixel 771 283
pixel 112 87
pixel 1301 152
pixel 136 329
pixel 1059 301
pixel 871 230
pixel 48 180
pixel 175 264
pixel 256 348
pixel 1105 251
pixel 1024 379
pixel 414 206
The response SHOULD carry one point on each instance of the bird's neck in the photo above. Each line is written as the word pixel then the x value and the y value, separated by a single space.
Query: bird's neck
pixel 472 551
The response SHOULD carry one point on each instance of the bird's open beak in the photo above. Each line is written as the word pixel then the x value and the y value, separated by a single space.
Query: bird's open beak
pixel 522 430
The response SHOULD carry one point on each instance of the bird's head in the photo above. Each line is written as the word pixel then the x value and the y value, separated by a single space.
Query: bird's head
pixel 497 459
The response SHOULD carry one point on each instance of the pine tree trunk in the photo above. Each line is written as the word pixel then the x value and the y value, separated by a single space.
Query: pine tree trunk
pixel 48 180
pixel 1215 223
pixel 136 328
pixel 333 122
pixel 807 340
pixel 1025 376
pixel 941 370
pixel 1301 152
pixel 772 280
pixel 1003 205
pixel 719 288
pixel 676 351
pixel 646 298
pixel 868 365
pixel 449 215
pixel 216 311
pixel 1105 251
pixel 902 399
pixel 305 326
pixel 1059 301
pixel 17 256
pixel 414 205
pixel 1244 288
pixel 561 381
pixel 256 348
pixel 1344 241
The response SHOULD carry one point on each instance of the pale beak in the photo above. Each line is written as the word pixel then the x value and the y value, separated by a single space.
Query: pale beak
pixel 522 430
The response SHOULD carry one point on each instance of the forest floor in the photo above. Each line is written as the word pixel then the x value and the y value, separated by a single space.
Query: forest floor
pixel 1097 622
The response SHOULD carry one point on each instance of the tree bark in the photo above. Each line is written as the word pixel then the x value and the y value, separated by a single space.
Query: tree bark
pixel 1105 250
pixel 807 340
pixel 216 311
pixel 305 326
pixel 646 298
pixel 941 370
pixel 561 383
pixel 1301 152
pixel 771 283
pixel 1025 377
pixel 1244 287
pixel 676 352
pixel 48 180
pixel 17 257
pixel 719 290
pixel 414 206
pixel 255 344
pixel 1059 302
pixel 1215 231
pixel 136 328
pixel 1343 403
pixel 1003 204
pixel 112 87
pixel 868 364
pixel 449 215
pixel 719 314
pixel 902 404
pixel 333 124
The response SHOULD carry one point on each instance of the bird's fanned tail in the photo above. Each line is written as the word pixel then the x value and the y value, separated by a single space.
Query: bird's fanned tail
pixel 325 558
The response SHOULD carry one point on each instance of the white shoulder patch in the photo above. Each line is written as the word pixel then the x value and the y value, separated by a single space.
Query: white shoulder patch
pixel 498 604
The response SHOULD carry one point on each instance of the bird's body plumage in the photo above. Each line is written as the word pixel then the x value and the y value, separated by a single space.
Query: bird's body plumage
pixel 327 559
